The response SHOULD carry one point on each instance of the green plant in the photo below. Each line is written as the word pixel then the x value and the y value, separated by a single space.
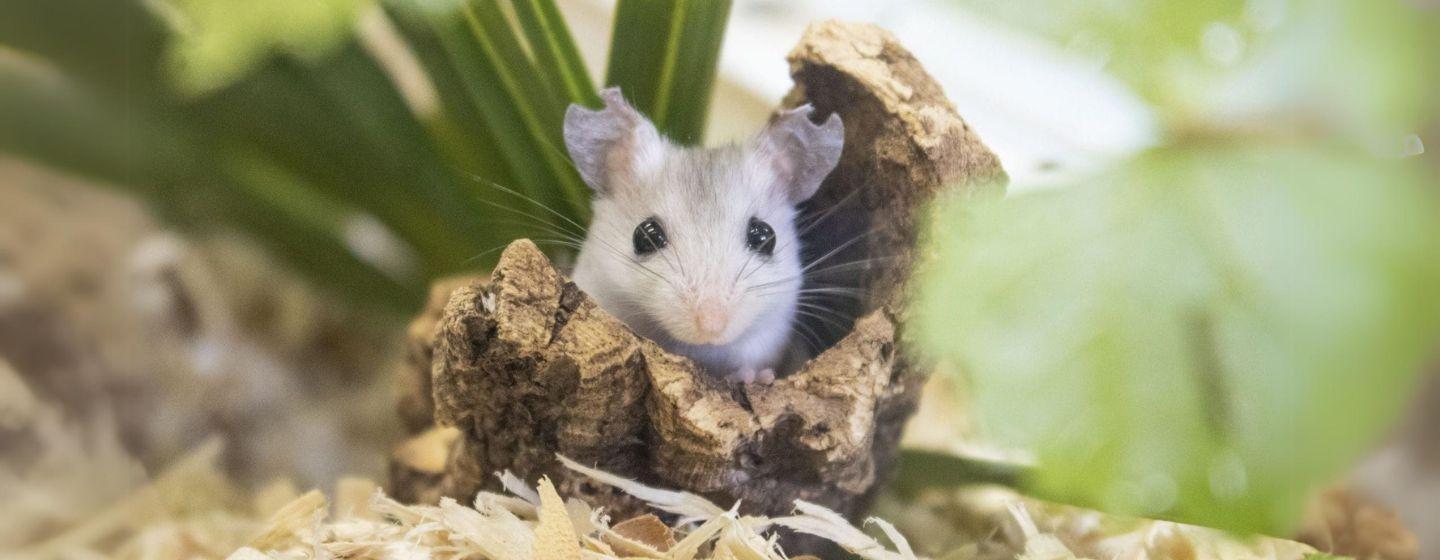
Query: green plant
pixel 278 119
pixel 1214 328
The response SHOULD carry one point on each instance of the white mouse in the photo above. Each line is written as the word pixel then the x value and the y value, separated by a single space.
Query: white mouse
pixel 695 248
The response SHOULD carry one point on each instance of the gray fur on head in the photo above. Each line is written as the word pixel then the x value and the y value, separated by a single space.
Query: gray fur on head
pixel 800 152
pixel 610 144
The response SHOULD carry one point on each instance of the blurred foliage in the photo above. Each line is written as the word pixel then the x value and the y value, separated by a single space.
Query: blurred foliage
pixel 1212 62
pixel 286 121
pixel 1205 333
pixel 1213 329
pixel 216 44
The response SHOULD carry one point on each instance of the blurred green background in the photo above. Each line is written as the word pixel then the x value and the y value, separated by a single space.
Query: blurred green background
pixel 1212 291
pixel 278 119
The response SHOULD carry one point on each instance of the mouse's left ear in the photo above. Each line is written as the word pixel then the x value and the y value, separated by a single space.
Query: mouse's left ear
pixel 801 153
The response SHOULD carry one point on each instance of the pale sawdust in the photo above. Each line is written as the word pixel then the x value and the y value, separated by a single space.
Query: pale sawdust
pixel 192 511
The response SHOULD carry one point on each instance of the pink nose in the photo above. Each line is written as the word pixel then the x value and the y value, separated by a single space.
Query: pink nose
pixel 711 317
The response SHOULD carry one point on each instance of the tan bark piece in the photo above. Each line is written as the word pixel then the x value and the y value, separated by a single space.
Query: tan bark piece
pixel 644 536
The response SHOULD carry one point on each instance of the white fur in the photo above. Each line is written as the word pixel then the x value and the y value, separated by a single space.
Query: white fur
pixel 704 200
pixel 706 257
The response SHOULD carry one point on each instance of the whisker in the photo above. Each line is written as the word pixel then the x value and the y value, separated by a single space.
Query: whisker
pixel 847 244
pixel 807 335
pixel 543 229
pixel 851 242
pixel 818 307
pixel 827 320
pixel 808 223
pixel 537 241
pixel 523 196
pixel 858 263
pixel 537 219
pixel 854 293
pixel 627 260
pixel 833 290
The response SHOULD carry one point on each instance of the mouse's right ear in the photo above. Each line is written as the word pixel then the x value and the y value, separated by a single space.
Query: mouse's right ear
pixel 613 145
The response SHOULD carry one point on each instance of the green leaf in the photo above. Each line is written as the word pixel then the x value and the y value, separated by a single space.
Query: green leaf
pixel 920 469
pixel 270 117
pixel 182 178
pixel 1205 334
pixel 1152 44
pixel 540 109
pixel 504 88
pixel 1366 70
pixel 556 57
pixel 460 128
pixel 49 119
pixel 306 231
pixel 217 42
pixel 663 56
pixel 341 126
pixel 115 46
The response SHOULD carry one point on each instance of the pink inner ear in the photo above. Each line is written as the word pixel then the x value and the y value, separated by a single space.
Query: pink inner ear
pixel 620 162
pixel 607 144
pixel 801 153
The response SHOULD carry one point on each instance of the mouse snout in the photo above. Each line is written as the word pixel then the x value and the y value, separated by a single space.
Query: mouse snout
pixel 711 315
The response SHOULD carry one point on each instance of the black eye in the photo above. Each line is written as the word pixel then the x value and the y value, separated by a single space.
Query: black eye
pixel 760 237
pixel 649 237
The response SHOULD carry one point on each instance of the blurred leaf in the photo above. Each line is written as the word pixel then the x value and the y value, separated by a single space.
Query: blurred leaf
pixel 342 127
pixel 48 118
pixel 663 55
pixel 1369 70
pixel 114 46
pixel 218 41
pixel 1149 43
pixel 921 469
pixel 312 233
pixel 271 117
pixel 1205 334
pixel 180 177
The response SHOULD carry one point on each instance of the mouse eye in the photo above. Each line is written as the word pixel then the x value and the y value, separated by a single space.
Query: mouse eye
pixel 760 237
pixel 649 237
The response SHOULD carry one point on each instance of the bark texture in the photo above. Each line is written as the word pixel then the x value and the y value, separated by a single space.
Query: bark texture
pixel 527 366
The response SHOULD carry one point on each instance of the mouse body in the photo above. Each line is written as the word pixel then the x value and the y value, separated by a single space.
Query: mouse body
pixel 697 248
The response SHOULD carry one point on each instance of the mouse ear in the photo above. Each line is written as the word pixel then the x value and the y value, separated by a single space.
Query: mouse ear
pixel 610 145
pixel 800 152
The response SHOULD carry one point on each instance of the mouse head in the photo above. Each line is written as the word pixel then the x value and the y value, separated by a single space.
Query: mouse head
pixel 697 245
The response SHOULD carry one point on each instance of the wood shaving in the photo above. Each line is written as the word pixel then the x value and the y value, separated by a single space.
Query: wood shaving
pixel 506 527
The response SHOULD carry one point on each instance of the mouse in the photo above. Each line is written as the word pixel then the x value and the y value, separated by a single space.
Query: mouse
pixel 697 248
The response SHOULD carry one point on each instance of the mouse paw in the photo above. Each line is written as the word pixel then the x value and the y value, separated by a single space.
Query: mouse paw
pixel 742 375
pixel 748 375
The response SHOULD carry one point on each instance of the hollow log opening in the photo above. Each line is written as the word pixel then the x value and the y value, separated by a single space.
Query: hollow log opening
pixel 505 374
pixel 904 142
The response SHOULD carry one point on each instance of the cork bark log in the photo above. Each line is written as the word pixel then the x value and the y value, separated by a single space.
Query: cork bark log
pixel 512 371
